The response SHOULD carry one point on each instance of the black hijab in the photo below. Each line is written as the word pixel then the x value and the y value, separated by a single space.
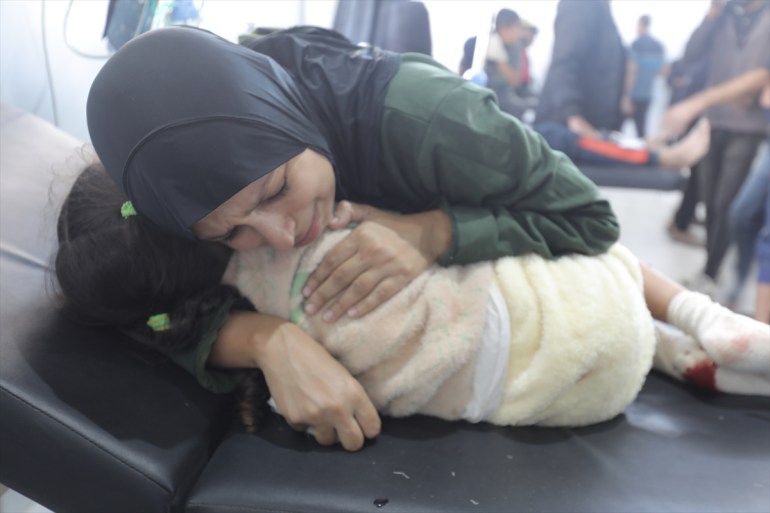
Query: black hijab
pixel 183 119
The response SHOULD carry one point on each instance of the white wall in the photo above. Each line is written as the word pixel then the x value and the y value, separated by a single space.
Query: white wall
pixel 25 23
pixel 23 79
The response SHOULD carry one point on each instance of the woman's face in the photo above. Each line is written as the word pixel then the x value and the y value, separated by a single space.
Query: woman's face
pixel 288 207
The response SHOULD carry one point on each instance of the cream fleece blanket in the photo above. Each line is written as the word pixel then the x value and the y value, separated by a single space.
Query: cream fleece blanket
pixel 582 338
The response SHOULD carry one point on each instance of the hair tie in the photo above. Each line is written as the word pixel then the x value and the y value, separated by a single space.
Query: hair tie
pixel 127 210
pixel 159 322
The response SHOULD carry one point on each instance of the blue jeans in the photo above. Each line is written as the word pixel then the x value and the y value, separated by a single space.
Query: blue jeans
pixel 747 216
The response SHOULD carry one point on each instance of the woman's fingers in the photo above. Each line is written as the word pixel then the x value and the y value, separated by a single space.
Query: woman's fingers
pixel 312 389
pixel 365 269
pixel 325 435
pixel 340 254
pixel 348 212
pixel 367 417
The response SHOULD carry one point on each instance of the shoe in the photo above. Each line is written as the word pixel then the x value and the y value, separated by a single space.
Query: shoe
pixel 702 283
pixel 683 236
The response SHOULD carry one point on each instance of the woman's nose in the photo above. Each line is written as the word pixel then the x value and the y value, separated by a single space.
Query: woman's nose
pixel 274 229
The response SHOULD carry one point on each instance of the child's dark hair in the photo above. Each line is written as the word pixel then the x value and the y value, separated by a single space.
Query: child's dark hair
pixel 118 271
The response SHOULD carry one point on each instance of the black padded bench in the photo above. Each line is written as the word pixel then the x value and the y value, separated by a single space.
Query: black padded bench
pixel 635 177
pixel 90 422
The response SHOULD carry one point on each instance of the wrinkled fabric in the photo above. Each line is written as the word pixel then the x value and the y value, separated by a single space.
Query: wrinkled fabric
pixel 183 119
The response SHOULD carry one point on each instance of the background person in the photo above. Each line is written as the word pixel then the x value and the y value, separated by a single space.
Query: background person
pixel 646 61
pixel 734 38
pixel 504 63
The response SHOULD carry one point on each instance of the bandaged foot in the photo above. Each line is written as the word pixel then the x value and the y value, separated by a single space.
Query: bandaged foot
pixel 681 357
pixel 733 341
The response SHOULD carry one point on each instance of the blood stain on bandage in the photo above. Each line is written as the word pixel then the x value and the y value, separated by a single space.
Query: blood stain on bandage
pixel 703 374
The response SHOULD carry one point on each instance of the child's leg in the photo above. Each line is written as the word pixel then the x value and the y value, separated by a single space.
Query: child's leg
pixel 731 340
pixel 681 357
pixel 763 302
pixel 659 291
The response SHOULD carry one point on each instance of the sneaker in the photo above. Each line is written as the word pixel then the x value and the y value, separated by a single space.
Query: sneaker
pixel 702 283
pixel 683 236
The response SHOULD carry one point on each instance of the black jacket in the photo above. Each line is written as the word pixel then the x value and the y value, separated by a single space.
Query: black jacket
pixel 587 67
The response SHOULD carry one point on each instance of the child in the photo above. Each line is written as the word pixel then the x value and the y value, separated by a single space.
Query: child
pixel 517 341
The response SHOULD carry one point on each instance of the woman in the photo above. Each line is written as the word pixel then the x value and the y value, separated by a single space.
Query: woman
pixel 218 142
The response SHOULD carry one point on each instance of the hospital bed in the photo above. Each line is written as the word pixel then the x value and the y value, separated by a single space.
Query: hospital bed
pixel 92 422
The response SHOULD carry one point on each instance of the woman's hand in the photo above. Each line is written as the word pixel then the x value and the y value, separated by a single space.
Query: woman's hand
pixel 379 258
pixel 310 388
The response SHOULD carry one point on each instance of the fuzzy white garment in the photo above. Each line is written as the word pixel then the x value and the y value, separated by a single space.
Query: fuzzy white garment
pixel 416 353
pixel 582 338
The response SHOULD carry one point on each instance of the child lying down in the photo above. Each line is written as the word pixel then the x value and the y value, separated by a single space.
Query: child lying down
pixel 516 341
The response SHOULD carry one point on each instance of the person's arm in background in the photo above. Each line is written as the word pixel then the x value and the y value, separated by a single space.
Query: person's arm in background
pixel 572 48
pixel 678 117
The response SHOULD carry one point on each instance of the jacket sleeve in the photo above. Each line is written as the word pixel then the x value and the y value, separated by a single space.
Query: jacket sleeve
pixel 194 359
pixel 506 191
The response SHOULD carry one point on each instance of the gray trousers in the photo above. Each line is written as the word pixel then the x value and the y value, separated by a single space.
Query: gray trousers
pixel 721 174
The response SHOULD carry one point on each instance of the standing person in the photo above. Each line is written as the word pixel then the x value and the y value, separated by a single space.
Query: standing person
pixel 684 80
pixel 645 62
pixel 734 36
pixel 585 80
pixel 503 63
pixel 271 135
pixel 747 211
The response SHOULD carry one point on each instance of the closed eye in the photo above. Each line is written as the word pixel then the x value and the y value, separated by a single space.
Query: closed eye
pixel 230 235
pixel 283 190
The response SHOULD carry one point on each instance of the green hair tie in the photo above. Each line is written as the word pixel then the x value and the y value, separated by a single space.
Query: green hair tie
pixel 127 210
pixel 159 322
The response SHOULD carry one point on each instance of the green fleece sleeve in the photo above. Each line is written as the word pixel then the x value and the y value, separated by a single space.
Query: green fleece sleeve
pixel 195 358
pixel 506 191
